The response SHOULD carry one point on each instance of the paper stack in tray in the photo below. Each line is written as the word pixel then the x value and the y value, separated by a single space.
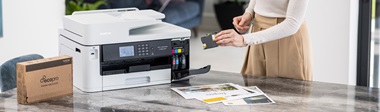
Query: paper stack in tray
pixel 228 93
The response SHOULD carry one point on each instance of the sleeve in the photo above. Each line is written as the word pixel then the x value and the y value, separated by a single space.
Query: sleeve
pixel 294 17
pixel 251 6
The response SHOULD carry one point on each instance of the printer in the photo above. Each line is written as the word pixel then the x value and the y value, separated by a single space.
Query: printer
pixel 124 48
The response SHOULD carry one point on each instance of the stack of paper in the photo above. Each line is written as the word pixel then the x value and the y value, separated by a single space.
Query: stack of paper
pixel 228 93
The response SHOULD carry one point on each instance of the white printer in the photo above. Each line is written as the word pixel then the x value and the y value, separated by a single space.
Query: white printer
pixel 124 48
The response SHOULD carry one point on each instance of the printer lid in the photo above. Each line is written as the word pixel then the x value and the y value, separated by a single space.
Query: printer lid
pixel 129 15
pixel 119 26
pixel 125 12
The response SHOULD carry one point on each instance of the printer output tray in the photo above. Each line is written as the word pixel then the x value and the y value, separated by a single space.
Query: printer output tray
pixel 184 75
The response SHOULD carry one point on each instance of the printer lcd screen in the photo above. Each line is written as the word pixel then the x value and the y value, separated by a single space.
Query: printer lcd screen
pixel 126 51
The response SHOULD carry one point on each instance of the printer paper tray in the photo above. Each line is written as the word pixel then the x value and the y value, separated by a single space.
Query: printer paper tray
pixel 184 75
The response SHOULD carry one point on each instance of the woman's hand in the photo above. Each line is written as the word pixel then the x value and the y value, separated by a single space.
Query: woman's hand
pixel 242 22
pixel 229 38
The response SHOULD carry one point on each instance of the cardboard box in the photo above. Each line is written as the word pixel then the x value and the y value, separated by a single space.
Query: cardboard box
pixel 44 79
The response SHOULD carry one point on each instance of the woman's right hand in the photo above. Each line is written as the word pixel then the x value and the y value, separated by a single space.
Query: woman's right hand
pixel 242 22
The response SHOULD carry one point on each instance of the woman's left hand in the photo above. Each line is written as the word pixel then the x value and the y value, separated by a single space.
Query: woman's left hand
pixel 229 38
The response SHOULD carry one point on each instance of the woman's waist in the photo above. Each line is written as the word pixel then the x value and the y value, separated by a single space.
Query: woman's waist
pixel 266 22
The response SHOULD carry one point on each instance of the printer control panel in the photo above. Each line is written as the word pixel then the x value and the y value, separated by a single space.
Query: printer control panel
pixel 143 49
pixel 135 50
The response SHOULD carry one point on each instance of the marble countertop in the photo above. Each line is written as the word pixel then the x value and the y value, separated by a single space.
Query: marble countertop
pixel 289 95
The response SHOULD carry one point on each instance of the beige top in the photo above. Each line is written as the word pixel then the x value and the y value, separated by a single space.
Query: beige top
pixel 292 10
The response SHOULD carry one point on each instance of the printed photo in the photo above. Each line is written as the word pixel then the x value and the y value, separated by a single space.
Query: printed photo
pixel 223 87
pixel 257 99
pixel 253 100
pixel 251 92
pixel 209 91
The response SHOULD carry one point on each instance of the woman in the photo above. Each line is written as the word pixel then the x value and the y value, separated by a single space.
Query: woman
pixel 279 44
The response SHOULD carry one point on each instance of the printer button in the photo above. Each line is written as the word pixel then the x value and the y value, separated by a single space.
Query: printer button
pixel 146 53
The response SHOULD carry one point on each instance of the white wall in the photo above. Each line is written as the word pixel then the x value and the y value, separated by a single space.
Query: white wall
pixel 353 41
pixel 333 30
pixel 30 26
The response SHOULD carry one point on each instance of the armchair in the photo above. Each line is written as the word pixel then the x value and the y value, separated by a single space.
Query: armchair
pixel 8 70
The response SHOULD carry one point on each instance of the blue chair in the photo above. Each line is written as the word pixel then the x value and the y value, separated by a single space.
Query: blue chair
pixel 8 72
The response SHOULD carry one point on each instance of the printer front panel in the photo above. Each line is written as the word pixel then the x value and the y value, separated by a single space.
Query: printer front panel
pixel 145 56
pixel 135 56
pixel 116 66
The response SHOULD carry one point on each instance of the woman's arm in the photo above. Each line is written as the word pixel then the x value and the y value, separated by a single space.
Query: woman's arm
pixel 250 8
pixel 294 17
pixel 241 23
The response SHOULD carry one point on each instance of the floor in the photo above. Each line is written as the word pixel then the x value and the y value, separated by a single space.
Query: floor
pixel 227 59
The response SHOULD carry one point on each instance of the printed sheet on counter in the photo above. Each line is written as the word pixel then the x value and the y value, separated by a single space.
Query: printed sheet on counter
pixel 228 93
